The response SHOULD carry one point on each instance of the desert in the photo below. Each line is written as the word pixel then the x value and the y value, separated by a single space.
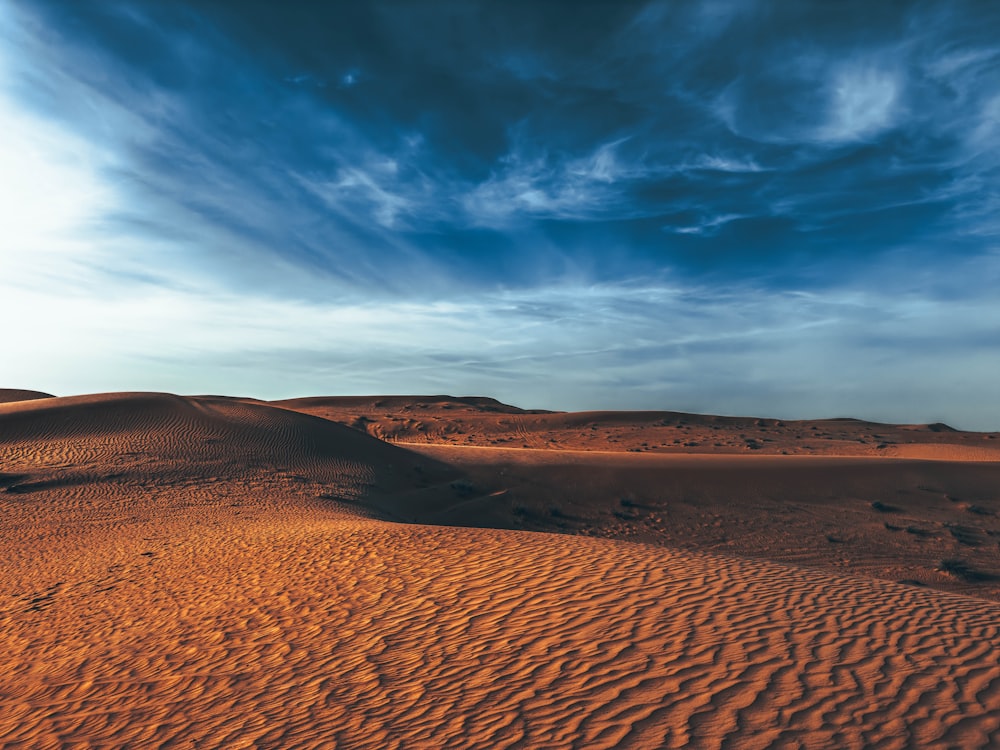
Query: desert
pixel 224 572
pixel 532 375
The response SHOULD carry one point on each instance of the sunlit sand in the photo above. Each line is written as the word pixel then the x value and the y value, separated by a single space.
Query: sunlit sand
pixel 213 572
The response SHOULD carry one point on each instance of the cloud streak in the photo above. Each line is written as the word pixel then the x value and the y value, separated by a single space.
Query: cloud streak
pixel 700 349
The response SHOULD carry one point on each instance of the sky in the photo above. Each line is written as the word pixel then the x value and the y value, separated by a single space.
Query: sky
pixel 784 209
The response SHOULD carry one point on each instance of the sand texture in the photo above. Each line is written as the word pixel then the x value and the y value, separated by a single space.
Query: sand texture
pixel 924 522
pixel 210 572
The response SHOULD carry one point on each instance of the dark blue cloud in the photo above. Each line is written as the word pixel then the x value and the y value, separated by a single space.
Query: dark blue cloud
pixel 721 138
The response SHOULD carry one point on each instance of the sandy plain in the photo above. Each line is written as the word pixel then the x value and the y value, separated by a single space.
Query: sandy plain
pixel 439 572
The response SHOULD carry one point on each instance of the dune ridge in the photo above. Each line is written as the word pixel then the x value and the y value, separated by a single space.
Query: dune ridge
pixel 18 394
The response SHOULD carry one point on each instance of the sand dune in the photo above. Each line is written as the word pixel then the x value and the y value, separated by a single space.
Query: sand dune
pixel 123 442
pixel 205 572
pixel 486 422
pixel 16 394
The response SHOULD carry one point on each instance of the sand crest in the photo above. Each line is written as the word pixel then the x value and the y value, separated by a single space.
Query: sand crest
pixel 16 394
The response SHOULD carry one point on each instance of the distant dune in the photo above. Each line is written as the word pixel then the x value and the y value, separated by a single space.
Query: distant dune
pixel 15 394
pixel 486 422
pixel 215 572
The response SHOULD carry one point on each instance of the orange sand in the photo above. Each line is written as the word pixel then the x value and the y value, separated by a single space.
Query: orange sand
pixel 206 572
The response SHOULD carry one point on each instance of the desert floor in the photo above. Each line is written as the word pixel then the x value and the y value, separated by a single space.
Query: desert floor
pixel 440 572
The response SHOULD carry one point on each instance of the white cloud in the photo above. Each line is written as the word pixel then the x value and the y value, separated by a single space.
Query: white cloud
pixel 357 187
pixel 707 226
pixel 864 101
pixel 717 163
pixel 603 165
pixel 527 187
pixel 954 67
pixel 51 189
pixel 555 186
pixel 849 351
pixel 986 134
pixel 351 78
pixel 47 192
pixel 811 98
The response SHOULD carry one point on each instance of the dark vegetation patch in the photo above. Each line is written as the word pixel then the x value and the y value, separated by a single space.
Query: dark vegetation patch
pixel 884 507
pixel 961 569
pixel 463 488
pixel 964 535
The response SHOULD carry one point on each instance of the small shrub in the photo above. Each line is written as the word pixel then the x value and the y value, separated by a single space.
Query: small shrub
pixel 964 535
pixel 961 569
pixel 884 507
pixel 463 487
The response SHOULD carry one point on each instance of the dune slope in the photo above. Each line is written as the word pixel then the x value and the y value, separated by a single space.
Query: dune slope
pixel 102 452
pixel 18 394
pixel 934 523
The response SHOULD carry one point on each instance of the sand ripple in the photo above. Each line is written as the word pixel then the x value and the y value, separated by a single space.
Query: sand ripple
pixel 315 632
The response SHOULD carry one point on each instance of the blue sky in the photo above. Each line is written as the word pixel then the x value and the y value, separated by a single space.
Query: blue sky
pixel 769 208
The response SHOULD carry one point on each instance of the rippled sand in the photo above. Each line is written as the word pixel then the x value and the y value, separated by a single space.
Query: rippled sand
pixel 210 573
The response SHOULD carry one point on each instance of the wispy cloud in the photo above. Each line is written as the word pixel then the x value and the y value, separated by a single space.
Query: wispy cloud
pixel 715 163
pixel 556 186
pixel 864 101
pixel 364 191
pixel 735 350
pixel 705 225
